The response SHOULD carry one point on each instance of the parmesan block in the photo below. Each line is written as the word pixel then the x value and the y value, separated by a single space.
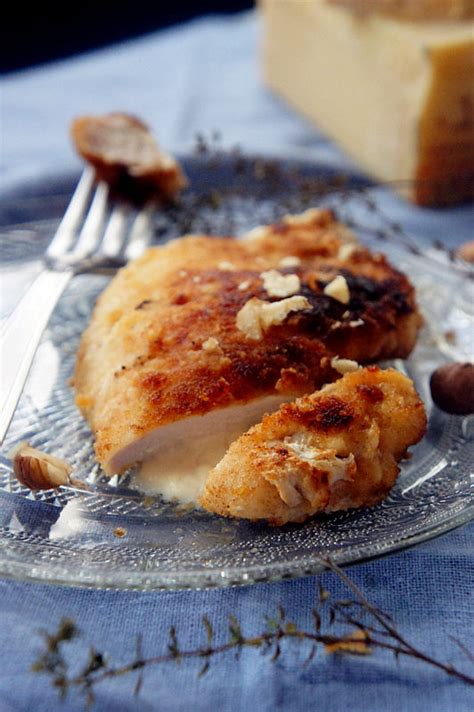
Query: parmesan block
pixel 396 95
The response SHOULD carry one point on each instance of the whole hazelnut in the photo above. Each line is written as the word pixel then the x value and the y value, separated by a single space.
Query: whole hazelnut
pixel 452 388
pixel 38 470
pixel 466 251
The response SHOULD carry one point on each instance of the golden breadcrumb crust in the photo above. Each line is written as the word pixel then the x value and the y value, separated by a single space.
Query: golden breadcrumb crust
pixel 163 342
pixel 335 449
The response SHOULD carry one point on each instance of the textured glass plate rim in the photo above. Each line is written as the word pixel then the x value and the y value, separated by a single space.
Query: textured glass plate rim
pixel 202 579
pixel 197 578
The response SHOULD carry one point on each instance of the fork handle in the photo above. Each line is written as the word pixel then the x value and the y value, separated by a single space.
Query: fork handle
pixel 20 336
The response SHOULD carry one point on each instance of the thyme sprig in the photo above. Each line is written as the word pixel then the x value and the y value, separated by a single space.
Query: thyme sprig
pixel 227 176
pixel 364 630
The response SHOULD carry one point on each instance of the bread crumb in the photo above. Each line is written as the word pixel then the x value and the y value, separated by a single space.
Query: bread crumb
pixel 226 266
pixel 211 344
pixel 257 316
pixel 289 261
pixel 356 322
pixel 338 289
pixel 257 233
pixel 244 285
pixel 83 401
pixel 308 217
pixel 347 250
pixel 277 284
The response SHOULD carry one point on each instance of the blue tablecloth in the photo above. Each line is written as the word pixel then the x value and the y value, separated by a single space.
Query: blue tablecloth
pixel 196 78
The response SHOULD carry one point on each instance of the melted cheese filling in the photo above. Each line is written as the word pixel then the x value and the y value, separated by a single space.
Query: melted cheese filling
pixel 180 467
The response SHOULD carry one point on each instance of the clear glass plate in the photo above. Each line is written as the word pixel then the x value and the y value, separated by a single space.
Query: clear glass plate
pixel 111 536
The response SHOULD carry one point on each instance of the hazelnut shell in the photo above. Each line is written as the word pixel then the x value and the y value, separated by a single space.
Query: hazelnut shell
pixel 452 388
pixel 466 251
pixel 38 470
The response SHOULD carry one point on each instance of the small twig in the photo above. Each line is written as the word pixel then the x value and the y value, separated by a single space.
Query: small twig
pixel 469 655
pixel 362 638
pixel 404 646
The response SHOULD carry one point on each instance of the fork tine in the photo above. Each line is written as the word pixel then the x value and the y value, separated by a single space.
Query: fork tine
pixel 91 232
pixel 141 233
pixel 114 232
pixel 72 218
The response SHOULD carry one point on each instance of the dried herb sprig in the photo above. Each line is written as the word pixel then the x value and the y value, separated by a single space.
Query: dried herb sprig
pixel 228 182
pixel 365 629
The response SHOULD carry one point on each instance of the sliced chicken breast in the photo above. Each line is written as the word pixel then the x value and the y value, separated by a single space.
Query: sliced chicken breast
pixel 195 332
pixel 335 449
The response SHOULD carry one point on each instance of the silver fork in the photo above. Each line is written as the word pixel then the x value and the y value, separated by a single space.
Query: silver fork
pixel 92 234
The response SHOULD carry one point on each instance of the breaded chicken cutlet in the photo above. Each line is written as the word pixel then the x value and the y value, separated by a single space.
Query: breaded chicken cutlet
pixel 335 449
pixel 206 333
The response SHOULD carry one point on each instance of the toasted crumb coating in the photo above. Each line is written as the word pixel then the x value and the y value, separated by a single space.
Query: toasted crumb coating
pixel 335 449
pixel 165 341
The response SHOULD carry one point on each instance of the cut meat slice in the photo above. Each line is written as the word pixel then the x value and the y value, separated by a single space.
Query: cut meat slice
pixel 335 449
pixel 183 452
pixel 204 324
pixel 126 156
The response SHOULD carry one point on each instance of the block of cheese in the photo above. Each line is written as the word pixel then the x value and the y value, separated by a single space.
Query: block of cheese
pixel 412 10
pixel 396 95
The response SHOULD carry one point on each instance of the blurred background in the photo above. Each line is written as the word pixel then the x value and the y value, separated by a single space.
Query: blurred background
pixel 46 31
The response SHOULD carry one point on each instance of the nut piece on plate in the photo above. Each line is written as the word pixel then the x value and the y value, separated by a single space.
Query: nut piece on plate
pixel 38 470
pixel 452 388
pixel 408 10
pixel 466 251
pixel 125 155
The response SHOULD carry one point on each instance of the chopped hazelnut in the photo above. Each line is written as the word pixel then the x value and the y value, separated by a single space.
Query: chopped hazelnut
pixel 344 365
pixel 277 284
pixel 226 266
pixel 338 289
pixel 256 316
pixel 290 261
pixel 347 250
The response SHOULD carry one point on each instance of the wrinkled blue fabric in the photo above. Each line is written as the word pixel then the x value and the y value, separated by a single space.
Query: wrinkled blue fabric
pixel 196 78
